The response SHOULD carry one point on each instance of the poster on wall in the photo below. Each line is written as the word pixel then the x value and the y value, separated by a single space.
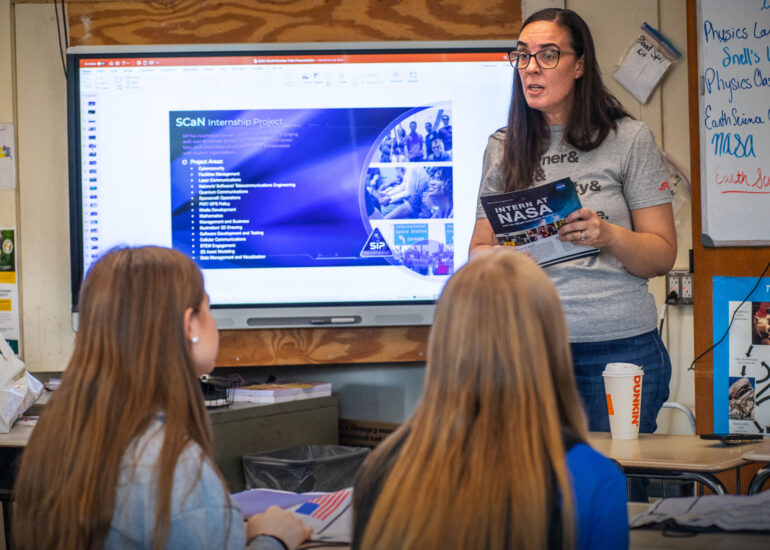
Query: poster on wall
pixel 9 289
pixel 7 157
pixel 742 362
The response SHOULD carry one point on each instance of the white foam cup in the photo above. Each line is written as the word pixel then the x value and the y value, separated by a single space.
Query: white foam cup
pixel 623 386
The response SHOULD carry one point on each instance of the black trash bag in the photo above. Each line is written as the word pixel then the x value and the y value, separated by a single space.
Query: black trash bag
pixel 322 468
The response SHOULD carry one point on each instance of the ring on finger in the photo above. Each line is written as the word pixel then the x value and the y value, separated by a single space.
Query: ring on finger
pixel 582 235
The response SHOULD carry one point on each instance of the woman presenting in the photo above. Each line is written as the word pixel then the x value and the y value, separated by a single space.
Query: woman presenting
pixel 563 122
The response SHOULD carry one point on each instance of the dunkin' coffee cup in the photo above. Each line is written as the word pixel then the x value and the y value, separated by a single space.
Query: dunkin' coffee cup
pixel 623 386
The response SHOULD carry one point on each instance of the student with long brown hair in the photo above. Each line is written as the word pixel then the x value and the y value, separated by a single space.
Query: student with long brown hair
pixel 121 456
pixel 494 455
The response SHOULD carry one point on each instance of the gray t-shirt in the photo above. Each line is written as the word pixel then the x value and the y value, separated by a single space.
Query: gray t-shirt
pixel 601 299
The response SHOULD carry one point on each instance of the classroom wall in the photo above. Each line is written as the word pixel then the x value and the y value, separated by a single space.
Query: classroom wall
pixel 678 329
pixel 42 196
pixel 391 390
pixel 614 25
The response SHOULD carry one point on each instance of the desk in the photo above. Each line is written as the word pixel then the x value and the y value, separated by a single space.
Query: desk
pixel 17 437
pixel 759 454
pixel 654 539
pixel 682 457
pixel 11 446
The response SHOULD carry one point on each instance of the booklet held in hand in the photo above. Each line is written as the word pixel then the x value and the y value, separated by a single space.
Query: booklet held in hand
pixel 530 219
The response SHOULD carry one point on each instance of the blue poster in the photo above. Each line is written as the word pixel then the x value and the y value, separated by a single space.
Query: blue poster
pixel 741 374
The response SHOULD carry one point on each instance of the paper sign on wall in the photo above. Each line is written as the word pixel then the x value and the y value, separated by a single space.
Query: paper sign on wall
pixel 647 60
pixel 9 289
pixel 7 157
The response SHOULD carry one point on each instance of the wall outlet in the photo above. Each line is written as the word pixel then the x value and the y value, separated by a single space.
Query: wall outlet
pixel 679 287
pixel 685 281
pixel 673 288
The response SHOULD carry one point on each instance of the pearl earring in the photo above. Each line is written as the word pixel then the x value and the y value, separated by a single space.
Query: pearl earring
pixel 194 339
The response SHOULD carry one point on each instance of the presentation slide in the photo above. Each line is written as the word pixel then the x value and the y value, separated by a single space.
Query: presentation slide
pixel 303 188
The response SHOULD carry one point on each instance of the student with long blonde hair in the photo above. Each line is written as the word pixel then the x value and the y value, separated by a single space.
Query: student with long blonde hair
pixel 121 456
pixel 494 455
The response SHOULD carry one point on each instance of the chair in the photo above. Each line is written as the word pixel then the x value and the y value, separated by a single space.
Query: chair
pixel 685 410
pixel 759 480
pixel 669 482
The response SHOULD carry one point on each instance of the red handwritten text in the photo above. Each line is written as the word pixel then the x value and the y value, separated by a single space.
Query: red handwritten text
pixel 736 178
pixel 740 182
pixel 762 181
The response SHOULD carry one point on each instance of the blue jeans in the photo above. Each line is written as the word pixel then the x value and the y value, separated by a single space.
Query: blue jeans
pixel 647 351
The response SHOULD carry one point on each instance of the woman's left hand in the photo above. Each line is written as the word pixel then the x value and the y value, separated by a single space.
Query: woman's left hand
pixel 585 227
pixel 648 250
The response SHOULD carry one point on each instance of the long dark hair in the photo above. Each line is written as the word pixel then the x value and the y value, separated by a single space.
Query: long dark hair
pixel 593 115
pixel 130 362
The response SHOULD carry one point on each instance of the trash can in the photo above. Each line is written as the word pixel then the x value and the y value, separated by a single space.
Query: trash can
pixel 322 468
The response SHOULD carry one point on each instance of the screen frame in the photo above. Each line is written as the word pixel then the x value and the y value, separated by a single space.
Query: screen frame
pixel 251 316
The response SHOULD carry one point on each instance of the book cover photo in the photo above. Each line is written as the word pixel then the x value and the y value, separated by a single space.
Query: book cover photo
pixel 530 219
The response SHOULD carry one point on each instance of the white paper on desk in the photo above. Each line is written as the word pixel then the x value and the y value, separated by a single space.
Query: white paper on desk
pixel 642 68
pixel 727 512
pixel 7 157
pixel 329 514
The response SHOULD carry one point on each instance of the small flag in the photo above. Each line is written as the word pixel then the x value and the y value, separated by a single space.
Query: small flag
pixel 322 507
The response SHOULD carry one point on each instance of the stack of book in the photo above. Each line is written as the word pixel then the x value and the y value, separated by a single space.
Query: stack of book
pixel 278 392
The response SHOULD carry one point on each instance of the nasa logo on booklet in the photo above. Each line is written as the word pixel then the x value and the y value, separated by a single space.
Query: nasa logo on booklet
pixel 376 245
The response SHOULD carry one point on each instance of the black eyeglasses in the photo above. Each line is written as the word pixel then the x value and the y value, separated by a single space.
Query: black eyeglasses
pixel 545 59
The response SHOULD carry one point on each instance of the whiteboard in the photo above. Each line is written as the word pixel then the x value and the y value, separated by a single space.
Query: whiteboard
pixel 734 123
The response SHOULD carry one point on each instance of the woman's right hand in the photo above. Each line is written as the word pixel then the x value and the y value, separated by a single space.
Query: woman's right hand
pixel 483 238
pixel 278 523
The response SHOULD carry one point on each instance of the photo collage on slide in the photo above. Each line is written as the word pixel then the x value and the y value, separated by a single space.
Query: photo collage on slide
pixel 408 198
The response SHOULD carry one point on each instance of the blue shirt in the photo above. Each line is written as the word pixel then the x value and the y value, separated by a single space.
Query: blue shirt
pixel 599 489
pixel 202 514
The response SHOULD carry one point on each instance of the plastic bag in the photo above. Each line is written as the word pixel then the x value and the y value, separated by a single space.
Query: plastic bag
pixel 302 469
pixel 18 389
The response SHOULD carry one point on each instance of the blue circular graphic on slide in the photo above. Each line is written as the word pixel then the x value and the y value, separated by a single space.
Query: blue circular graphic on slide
pixel 406 194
